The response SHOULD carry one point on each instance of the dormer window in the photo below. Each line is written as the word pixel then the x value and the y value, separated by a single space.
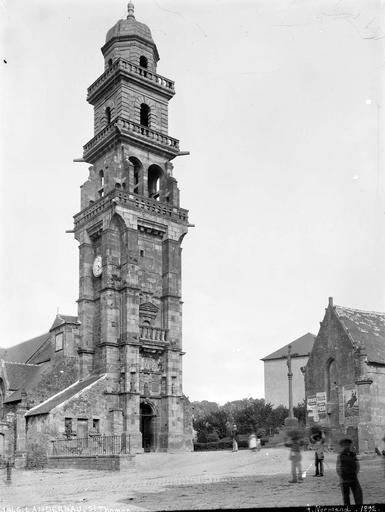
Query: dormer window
pixel 143 62
pixel 145 114
pixel 59 342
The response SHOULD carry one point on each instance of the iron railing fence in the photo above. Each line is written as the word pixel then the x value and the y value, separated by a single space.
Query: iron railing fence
pixel 87 446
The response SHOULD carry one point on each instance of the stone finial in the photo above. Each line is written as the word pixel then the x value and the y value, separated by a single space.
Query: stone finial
pixel 331 302
pixel 130 10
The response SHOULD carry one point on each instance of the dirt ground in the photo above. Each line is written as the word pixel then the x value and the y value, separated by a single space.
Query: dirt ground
pixel 187 481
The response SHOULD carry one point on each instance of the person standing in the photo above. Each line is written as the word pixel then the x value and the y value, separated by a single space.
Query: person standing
pixel 347 469
pixel 235 438
pixel 295 443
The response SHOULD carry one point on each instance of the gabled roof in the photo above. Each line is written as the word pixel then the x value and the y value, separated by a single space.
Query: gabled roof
pixel 299 348
pixel 23 351
pixel 64 319
pixel 64 395
pixel 365 328
pixel 19 374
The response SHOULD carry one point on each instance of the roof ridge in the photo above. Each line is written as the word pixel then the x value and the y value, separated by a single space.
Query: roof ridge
pixel 63 391
pixel 55 395
pixel 17 362
pixel 361 310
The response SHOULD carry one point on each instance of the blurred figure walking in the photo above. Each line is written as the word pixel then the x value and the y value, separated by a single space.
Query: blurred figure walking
pixel 253 442
pixel 347 469
pixel 235 438
pixel 294 443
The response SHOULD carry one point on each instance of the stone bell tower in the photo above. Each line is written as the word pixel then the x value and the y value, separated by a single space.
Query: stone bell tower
pixel 130 229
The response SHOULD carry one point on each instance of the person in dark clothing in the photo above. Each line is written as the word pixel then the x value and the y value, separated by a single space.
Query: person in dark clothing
pixel 347 469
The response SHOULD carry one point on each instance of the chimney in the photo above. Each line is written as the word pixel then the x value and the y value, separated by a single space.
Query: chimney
pixel 331 302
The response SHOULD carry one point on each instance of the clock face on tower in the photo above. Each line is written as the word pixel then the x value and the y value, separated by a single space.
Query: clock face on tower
pixel 97 266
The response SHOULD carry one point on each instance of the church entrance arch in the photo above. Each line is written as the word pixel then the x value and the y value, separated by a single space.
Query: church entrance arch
pixel 147 427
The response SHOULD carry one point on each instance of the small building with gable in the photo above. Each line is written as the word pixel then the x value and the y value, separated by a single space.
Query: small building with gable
pixel 347 367
pixel 275 371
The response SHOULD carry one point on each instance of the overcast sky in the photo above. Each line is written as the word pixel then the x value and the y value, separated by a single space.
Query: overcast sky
pixel 280 104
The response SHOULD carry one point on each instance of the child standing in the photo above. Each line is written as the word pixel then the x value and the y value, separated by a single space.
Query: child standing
pixel 319 440
pixel 347 469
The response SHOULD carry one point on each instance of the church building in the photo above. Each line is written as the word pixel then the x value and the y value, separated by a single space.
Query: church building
pixel 345 377
pixel 117 367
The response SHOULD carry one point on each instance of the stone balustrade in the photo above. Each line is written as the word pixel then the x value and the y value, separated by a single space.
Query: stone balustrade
pixel 155 334
pixel 137 130
pixel 133 201
pixel 134 69
pixel 148 133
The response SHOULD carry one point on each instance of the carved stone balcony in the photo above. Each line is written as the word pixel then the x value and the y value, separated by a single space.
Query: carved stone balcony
pixel 136 202
pixel 121 127
pixel 153 334
pixel 135 73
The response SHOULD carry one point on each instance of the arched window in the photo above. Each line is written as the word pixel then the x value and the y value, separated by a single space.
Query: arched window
pixel 144 114
pixel 331 379
pixel 108 115
pixel 101 177
pixel 137 174
pixel 110 63
pixel 101 183
pixel 153 181
pixel 143 62
pixel 2 398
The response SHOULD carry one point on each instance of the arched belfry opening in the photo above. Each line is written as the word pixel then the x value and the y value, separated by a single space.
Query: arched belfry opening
pixel 145 114
pixel 153 181
pixel 138 174
pixel 108 115
pixel 148 427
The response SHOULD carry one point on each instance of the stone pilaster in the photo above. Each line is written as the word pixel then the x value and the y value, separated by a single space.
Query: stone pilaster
pixel 366 437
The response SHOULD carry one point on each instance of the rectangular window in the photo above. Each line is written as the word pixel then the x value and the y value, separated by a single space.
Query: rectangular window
pixel 96 425
pixel 68 427
pixel 59 342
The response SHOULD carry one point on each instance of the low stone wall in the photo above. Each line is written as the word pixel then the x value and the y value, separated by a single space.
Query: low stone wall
pixel 102 462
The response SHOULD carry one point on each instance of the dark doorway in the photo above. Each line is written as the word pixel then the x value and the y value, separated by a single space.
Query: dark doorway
pixel 147 427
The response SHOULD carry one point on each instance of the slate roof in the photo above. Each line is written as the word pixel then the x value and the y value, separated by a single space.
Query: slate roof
pixel 21 377
pixel 365 328
pixel 23 351
pixel 300 347
pixel 55 400
pixel 18 374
